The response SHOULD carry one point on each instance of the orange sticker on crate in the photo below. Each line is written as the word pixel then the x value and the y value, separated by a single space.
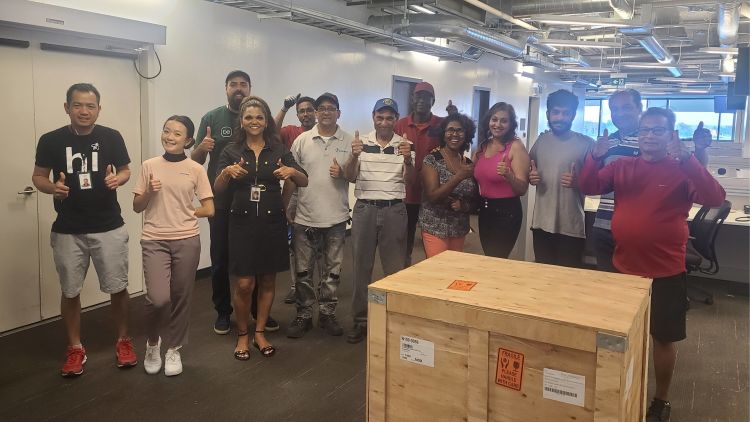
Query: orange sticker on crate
pixel 509 369
pixel 464 285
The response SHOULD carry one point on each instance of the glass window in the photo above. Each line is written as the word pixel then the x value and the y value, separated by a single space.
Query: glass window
pixel 656 103
pixel 591 118
pixel 726 127
pixel 690 112
pixel 606 119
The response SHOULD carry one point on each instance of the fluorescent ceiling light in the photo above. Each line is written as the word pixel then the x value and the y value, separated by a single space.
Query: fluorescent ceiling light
pixel 727 75
pixel 688 80
pixel 720 50
pixel 645 65
pixel 582 20
pixel 693 91
pixel 588 69
pixel 581 44
pixel 422 9
pixel 501 15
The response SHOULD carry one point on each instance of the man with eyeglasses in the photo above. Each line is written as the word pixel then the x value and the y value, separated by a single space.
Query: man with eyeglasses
pixel 625 108
pixel 654 192
pixel 215 131
pixel 422 128
pixel 321 216
pixel 558 221
pixel 382 166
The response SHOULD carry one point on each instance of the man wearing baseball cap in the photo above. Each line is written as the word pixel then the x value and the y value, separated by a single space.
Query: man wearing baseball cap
pixel 421 127
pixel 321 216
pixel 382 168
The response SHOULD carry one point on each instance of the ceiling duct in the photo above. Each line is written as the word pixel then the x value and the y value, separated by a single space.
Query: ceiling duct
pixel 526 8
pixel 728 23
pixel 623 8
pixel 447 27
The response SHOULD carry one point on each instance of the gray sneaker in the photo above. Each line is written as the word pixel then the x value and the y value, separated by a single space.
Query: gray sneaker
pixel 299 327
pixel 329 324
pixel 172 362
pixel 290 297
pixel 152 359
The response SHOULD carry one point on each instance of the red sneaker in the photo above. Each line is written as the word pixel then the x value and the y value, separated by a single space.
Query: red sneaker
pixel 73 366
pixel 125 353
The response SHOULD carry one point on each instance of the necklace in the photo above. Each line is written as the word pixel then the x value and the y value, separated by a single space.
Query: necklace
pixel 453 162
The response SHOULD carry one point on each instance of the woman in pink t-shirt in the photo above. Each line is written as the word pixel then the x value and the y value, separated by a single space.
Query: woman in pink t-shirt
pixel 502 171
pixel 171 242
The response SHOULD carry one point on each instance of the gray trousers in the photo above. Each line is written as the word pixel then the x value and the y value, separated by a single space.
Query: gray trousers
pixel 374 227
pixel 169 267
pixel 330 240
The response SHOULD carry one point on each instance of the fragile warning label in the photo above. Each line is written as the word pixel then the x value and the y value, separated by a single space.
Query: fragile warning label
pixel 464 285
pixel 509 369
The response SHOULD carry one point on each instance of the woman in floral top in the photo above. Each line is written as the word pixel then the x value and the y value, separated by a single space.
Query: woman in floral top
pixel 450 191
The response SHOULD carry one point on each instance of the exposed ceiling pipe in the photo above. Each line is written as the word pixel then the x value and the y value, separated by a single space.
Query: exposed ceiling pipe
pixel 489 9
pixel 728 23
pixel 623 8
pixel 654 48
pixel 525 8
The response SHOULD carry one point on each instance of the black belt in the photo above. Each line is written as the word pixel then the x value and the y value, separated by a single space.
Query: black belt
pixel 382 203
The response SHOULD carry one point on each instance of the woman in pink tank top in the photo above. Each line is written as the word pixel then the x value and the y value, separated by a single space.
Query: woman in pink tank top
pixel 502 172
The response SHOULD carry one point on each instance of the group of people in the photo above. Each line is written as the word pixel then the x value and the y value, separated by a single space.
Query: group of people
pixel 272 192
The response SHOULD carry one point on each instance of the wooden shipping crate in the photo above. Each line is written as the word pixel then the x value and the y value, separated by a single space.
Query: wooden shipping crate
pixel 468 337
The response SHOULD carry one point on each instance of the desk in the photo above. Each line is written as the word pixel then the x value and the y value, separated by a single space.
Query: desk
pixel 732 243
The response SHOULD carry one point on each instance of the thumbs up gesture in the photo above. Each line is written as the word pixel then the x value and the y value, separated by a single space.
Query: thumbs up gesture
pixel 602 146
pixel 534 177
pixel 61 189
pixel 335 169
pixel 676 149
pixel 702 137
pixel 110 179
pixel 568 179
pixel 154 185
pixel 283 172
pixel 357 144
pixel 404 149
pixel 208 143
pixel 504 169
pixel 237 170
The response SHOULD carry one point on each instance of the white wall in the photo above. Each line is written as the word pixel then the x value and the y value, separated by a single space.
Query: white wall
pixel 205 41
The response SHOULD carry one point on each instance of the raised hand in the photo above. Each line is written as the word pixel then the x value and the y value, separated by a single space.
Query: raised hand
pixel 61 189
pixel 702 137
pixel 602 146
pixel 534 177
pixel 357 144
pixel 154 185
pixel 404 149
pixel 504 169
pixel 290 101
pixel 110 180
pixel 568 179
pixel 208 143
pixel 237 170
pixel 676 149
pixel 335 169
pixel 283 172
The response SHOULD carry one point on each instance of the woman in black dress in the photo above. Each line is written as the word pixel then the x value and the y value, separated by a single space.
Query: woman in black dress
pixel 252 166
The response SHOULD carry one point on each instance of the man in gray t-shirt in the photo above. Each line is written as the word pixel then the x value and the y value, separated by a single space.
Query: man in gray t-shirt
pixel 558 224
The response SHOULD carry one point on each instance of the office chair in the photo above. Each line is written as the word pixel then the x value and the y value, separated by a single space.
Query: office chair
pixel 703 231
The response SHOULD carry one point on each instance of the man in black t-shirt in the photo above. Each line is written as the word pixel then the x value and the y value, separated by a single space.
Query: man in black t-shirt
pixel 88 163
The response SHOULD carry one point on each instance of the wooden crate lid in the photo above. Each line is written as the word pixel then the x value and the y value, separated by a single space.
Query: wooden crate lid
pixel 603 301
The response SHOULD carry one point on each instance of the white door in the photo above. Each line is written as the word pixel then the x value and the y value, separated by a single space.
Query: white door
pixel 19 256
pixel 119 86
pixel 36 82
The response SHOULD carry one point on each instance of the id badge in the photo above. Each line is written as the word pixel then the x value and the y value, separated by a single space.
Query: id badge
pixel 255 193
pixel 84 181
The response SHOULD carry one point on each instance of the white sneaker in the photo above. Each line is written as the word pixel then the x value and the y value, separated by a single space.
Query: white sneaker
pixel 172 362
pixel 152 361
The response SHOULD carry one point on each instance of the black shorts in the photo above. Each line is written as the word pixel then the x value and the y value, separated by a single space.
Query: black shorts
pixel 668 308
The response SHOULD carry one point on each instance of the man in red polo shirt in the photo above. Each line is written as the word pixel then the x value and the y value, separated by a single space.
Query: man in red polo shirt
pixel 422 128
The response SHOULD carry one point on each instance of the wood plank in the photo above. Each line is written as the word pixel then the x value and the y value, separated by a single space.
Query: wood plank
pixel 609 378
pixel 376 360
pixel 478 370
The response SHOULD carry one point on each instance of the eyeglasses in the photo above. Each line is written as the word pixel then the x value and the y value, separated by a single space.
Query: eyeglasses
pixel 455 130
pixel 657 131
pixel 327 109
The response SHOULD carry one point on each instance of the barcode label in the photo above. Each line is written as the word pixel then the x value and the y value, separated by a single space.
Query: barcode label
pixel 564 387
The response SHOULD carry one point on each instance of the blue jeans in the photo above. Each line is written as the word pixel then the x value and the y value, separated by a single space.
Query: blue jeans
pixel 330 240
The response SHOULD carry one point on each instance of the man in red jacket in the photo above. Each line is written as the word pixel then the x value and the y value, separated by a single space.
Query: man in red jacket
pixel 653 195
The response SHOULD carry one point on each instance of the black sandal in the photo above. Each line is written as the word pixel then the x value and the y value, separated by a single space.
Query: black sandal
pixel 267 351
pixel 242 354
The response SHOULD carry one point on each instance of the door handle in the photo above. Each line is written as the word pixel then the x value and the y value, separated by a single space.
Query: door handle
pixel 28 190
